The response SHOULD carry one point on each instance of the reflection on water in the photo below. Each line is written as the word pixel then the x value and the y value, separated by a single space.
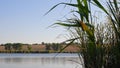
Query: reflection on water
pixel 38 61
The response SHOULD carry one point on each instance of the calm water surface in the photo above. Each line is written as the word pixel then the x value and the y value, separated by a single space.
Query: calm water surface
pixel 63 60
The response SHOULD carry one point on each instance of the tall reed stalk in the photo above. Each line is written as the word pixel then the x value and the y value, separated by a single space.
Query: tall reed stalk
pixel 99 45
pixel 113 13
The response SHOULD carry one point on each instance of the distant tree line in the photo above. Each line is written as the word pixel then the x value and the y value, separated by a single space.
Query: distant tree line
pixel 15 46
pixel 29 48
pixel 53 46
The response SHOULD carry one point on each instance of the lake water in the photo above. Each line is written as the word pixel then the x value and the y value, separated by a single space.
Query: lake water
pixel 63 60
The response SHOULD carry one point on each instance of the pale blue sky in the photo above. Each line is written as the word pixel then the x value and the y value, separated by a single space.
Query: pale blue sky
pixel 22 21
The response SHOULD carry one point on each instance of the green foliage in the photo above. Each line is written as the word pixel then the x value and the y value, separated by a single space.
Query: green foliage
pixel 8 46
pixel 96 47
pixel 114 17
pixel 55 46
pixel 48 47
pixel 29 47
pixel 15 46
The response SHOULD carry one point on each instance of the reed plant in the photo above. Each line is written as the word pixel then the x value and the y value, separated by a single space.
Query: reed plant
pixel 99 44
pixel 113 13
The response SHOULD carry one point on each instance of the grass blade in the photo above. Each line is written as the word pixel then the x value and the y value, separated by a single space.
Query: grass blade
pixel 74 5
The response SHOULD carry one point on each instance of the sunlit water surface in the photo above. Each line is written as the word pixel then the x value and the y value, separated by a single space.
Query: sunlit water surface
pixel 63 60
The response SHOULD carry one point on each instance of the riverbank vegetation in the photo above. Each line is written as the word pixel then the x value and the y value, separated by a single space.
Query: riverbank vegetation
pixel 37 48
pixel 99 41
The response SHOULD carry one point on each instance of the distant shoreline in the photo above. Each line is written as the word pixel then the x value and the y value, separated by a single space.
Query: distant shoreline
pixel 33 52
pixel 38 48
